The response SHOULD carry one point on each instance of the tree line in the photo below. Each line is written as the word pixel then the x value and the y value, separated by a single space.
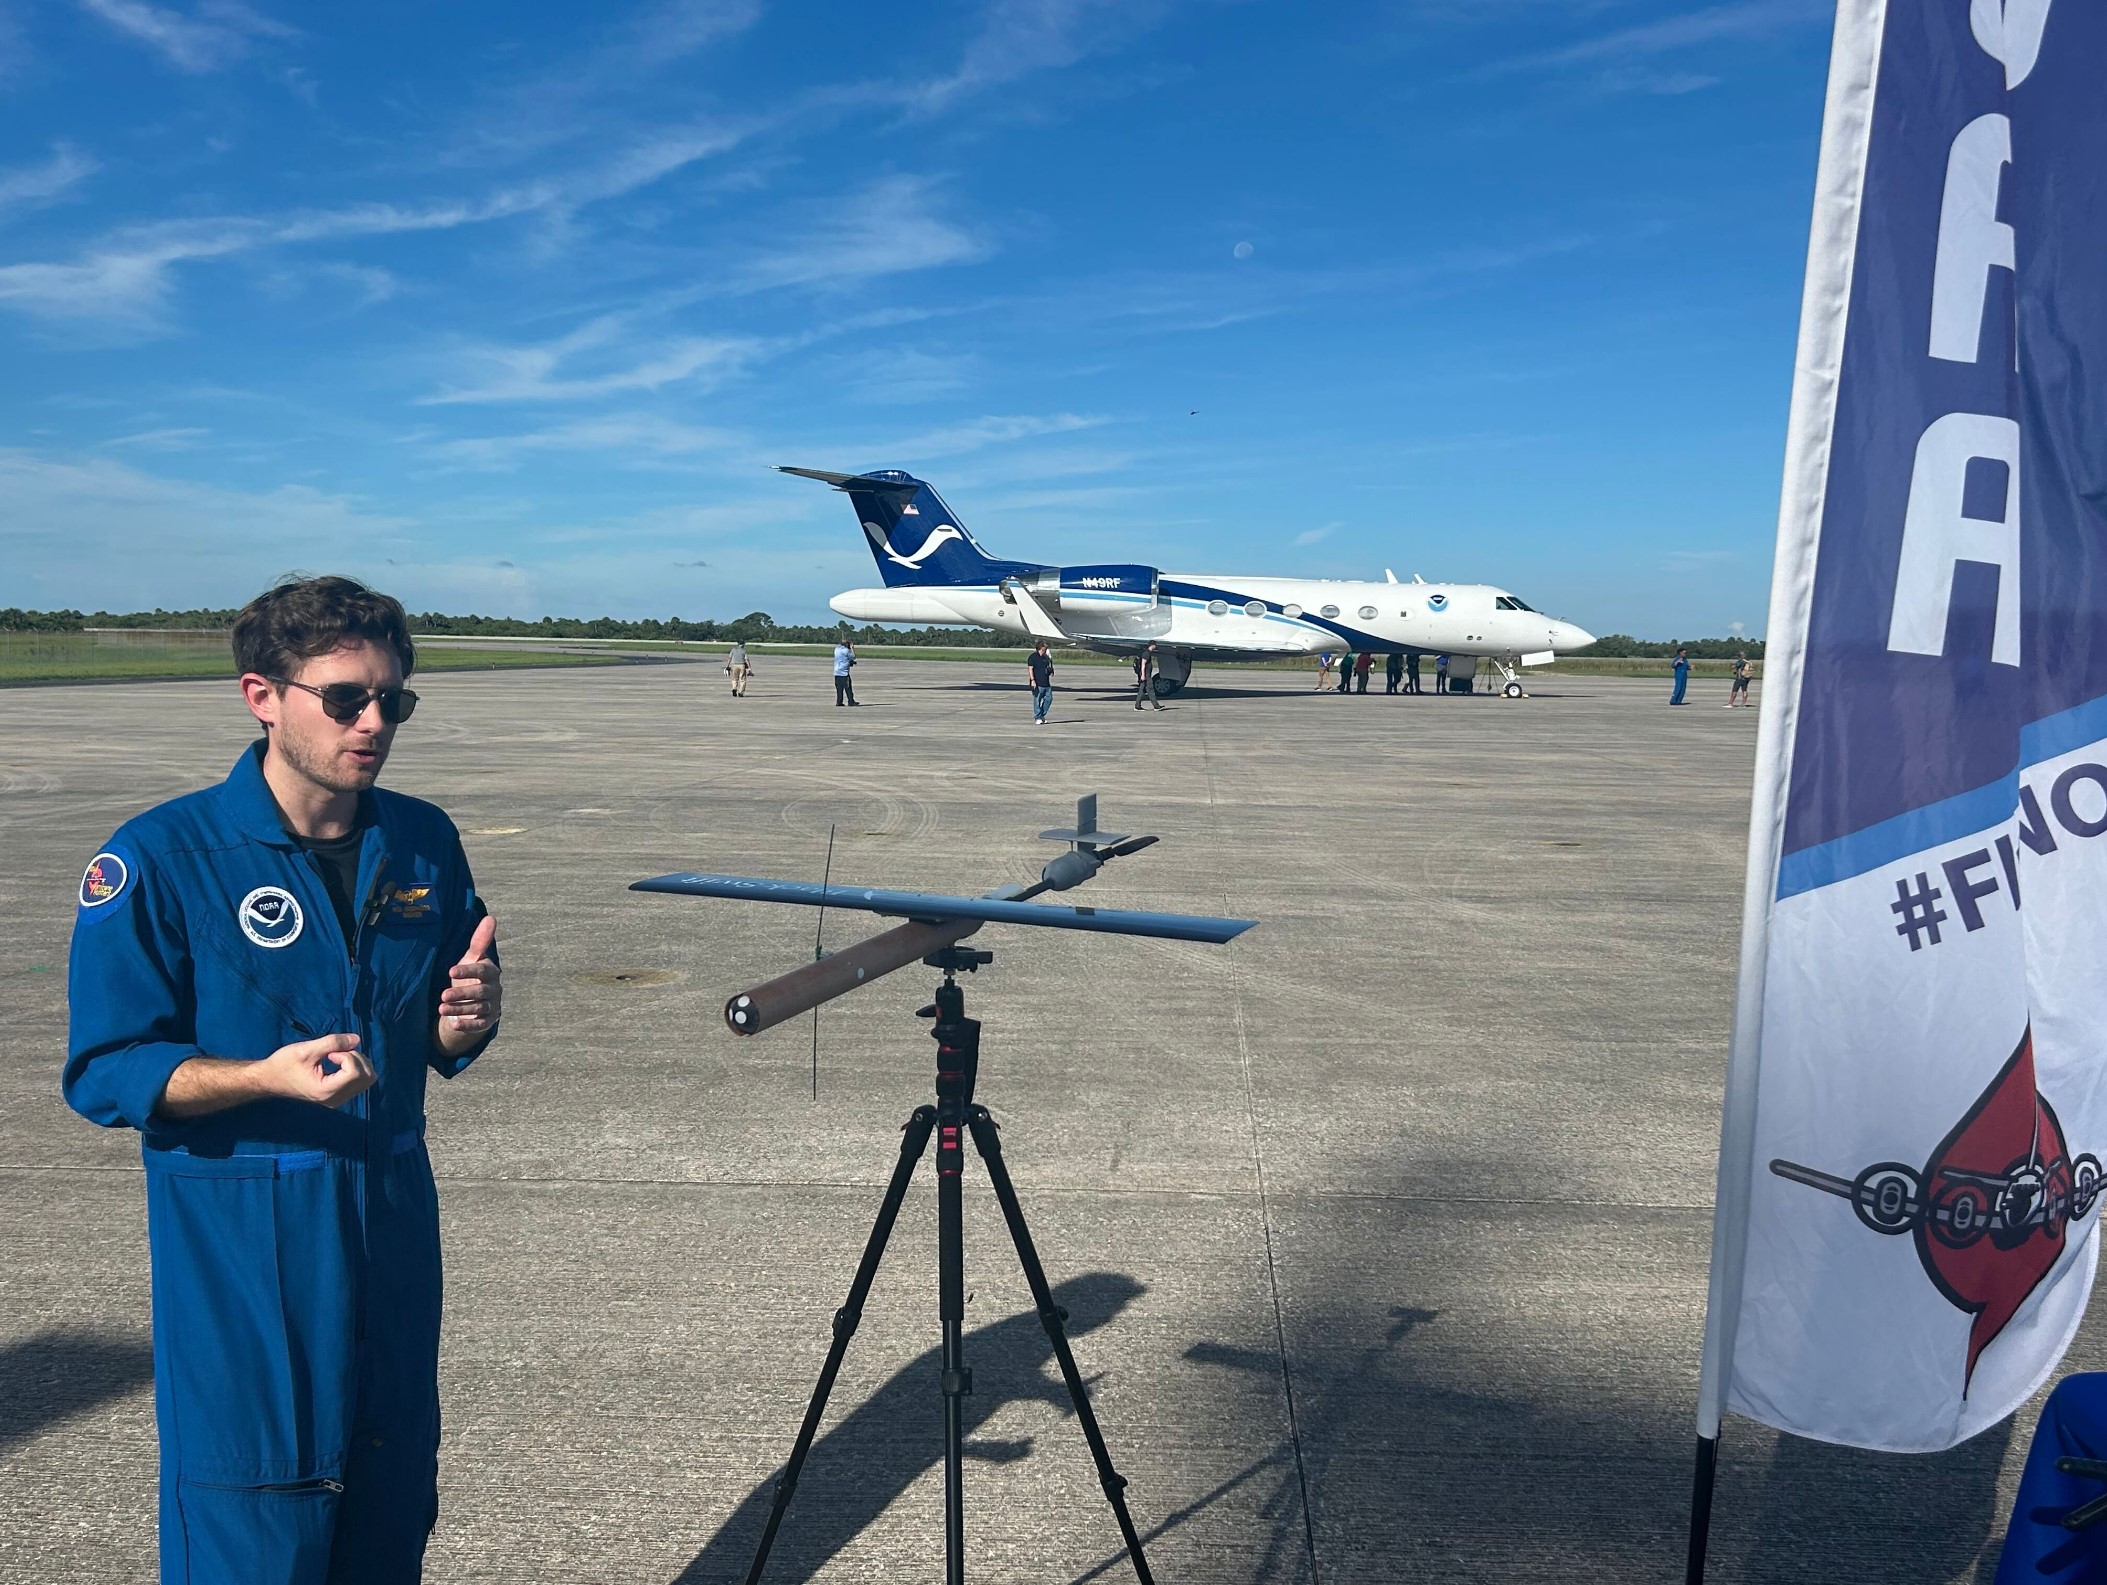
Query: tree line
pixel 756 627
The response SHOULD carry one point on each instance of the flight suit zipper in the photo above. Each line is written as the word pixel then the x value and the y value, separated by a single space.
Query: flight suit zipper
pixel 360 985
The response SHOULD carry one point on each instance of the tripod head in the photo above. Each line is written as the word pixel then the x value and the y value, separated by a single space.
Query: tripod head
pixel 952 959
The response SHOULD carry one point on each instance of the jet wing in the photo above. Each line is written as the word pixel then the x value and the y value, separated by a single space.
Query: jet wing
pixel 853 481
pixel 936 908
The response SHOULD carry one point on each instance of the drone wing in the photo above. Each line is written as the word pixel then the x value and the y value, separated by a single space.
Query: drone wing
pixel 934 908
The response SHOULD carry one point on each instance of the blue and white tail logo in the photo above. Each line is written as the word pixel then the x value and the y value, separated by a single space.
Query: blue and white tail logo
pixel 915 538
pixel 939 536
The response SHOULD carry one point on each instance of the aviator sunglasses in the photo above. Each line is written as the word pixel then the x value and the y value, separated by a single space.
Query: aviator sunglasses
pixel 345 702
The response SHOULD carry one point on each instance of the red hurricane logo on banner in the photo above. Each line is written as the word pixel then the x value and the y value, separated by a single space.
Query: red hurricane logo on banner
pixel 1990 1209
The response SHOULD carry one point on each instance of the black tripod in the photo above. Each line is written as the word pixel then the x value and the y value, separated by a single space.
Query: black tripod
pixel 954 1116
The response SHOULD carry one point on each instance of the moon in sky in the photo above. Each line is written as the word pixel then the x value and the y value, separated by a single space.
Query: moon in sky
pixel 1242 250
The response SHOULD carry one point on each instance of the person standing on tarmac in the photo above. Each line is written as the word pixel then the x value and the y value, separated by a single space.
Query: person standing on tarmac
pixel 1039 667
pixel 1441 675
pixel 1361 667
pixel 1393 670
pixel 740 668
pixel 263 973
pixel 1739 693
pixel 844 658
pixel 1145 678
pixel 1681 668
pixel 1412 672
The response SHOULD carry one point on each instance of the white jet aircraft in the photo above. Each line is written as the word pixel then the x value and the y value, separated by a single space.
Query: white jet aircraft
pixel 936 574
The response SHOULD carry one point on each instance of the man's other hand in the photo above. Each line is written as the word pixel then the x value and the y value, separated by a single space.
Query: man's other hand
pixel 328 1071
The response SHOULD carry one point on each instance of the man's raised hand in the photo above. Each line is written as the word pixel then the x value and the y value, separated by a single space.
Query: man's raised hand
pixel 474 996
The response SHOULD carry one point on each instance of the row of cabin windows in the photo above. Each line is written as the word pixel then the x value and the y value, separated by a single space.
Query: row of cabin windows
pixel 1505 602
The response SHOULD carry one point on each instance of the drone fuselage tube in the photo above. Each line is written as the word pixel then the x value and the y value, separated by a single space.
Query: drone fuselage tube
pixel 788 995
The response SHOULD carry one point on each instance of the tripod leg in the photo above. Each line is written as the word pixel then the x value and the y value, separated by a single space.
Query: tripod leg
pixel 989 1144
pixel 951 1309
pixel 914 1140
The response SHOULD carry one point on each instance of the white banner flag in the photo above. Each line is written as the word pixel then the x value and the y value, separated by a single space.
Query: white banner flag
pixel 1909 1179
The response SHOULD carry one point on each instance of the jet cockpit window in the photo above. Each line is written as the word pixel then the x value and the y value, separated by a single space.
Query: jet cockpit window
pixel 1508 602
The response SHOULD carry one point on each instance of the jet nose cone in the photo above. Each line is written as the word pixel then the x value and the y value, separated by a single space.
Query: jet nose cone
pixel 1566 635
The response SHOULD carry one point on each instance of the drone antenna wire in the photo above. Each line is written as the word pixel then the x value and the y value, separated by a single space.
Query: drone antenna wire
pixel 818 934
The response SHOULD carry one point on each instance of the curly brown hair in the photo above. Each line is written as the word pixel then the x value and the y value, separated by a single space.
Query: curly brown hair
pixel 299 618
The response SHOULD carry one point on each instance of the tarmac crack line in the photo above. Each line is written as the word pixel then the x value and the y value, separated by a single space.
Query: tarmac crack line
pixel 1265 1207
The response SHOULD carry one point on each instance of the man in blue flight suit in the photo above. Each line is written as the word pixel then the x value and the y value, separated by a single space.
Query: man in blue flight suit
pixel 262 973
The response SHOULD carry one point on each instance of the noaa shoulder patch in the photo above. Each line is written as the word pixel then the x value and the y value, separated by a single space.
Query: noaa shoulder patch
pixel 270 916
pixel 104 880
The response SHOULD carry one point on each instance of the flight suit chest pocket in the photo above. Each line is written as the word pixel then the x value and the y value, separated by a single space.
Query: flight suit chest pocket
pixel 255 1299
pixel 257 989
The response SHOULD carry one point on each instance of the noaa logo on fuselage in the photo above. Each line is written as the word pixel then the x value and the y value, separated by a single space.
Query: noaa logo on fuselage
pixel 1436 601
pixel 270 916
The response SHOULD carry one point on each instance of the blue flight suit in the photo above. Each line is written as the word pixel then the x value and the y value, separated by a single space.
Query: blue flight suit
pixel 296 1286
pixel 2037 1547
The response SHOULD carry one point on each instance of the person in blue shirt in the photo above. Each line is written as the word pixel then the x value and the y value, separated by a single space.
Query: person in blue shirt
pixel 262 975
pixel 844 689
pixel 1682 675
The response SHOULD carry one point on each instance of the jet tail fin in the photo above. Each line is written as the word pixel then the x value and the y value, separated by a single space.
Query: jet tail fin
pixel 915 538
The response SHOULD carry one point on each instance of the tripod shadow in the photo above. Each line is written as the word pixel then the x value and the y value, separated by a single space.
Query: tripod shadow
pixel 56 1375
pixel 1286 1475
pixel 858 1469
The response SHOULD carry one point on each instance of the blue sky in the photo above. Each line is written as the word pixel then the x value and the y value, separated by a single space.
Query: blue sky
pixel 509 307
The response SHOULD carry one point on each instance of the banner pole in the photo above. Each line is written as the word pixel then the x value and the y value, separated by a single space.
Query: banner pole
pixel 1847 118
pixel 1701 1509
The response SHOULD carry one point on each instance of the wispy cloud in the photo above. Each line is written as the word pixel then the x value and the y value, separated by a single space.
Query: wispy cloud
pixel 588 93
pixel 955 440
pixel 23 185
pixel 1623 50
pixel 217 35
pixel 123 282
pixel 600 358
pixel 1310 536
pixel 157 541
pixel 1020 37
pixel 889 228
pixel 637 437
pixel 160 439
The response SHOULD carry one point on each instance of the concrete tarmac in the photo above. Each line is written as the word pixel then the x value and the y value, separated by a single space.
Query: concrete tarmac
pixel 1383 1229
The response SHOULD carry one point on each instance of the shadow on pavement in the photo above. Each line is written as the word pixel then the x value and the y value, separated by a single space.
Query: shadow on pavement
pixel 1841 1513
pixel 56 1375
pixel 857 1470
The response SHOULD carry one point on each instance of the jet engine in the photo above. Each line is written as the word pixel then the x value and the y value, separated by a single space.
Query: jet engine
pixel 1090 588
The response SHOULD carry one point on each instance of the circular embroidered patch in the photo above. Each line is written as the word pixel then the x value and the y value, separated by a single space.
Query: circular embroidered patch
pixel 105 877
pixel 270 916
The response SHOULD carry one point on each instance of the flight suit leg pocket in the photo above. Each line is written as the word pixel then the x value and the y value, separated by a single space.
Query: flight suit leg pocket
pixel 268 1535
pixel 255 1301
